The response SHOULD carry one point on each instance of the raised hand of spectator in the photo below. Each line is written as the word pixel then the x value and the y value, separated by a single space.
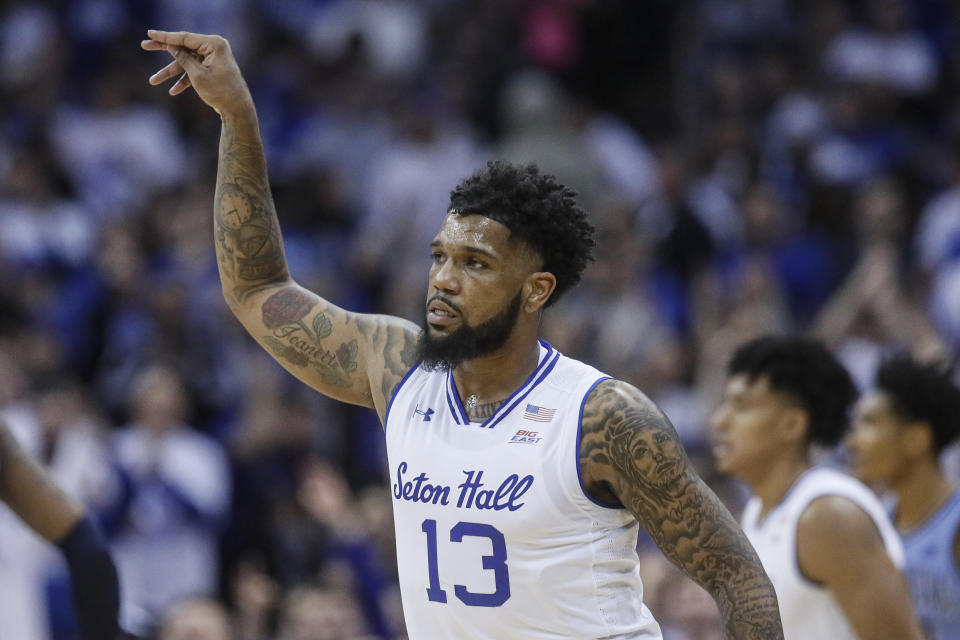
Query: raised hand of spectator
pixel 255 597
pixel 325 495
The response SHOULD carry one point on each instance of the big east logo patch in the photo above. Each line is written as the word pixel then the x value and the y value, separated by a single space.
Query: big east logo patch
pixel 526 437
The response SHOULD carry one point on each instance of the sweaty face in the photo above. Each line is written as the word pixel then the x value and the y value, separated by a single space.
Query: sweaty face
pixel 744 427
pixel 875 441
pixel 475 291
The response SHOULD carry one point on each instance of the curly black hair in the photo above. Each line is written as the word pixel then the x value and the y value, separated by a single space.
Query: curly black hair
pixel 538 210
pixel 807 371
pixel 922 392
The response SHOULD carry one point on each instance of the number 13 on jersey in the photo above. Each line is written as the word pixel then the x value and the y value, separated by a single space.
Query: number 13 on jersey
pixel 496 562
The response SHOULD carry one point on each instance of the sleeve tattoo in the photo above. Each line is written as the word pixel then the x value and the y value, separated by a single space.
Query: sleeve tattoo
pixel 631 449
pixel 299 341
pixel 301 328
pixel 398 344
pixel 246 230
pixel 353 357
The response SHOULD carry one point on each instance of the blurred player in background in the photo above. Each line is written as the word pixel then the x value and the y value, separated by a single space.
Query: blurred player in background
pixel 520 475
pixel 824 538
pixel 900 429
pixel 29 492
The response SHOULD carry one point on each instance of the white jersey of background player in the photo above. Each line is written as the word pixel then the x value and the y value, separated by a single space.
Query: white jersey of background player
pixel 512 242
pixel 808 609
pixel 824 539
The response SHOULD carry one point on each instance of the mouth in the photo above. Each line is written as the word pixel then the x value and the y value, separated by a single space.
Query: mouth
pixel 861 469
pixel 720 451
pixel 440 314
pixel 854 460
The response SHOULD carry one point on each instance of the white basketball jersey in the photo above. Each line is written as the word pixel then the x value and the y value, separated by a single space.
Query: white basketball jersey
pixel 808 610
pixel 496 538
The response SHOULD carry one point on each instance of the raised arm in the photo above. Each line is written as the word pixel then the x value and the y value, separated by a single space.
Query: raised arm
pixel 352 357
pixel 630 453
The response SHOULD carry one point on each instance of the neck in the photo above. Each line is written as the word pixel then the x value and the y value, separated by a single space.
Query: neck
pixel 493 378
pixel 920 492
pixel 773 483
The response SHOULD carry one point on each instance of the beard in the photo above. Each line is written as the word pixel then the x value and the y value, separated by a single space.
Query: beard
pixel 466 343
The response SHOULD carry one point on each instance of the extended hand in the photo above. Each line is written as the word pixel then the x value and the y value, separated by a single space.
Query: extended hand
pixel 204 62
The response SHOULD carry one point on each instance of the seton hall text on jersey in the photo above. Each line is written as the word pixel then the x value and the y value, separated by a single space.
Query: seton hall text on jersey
pixel 473 493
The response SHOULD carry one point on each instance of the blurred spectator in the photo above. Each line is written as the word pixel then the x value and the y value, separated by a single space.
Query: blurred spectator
pixel 40 224
pixel 730 308
pixel 175 497
pixel 938 229
pixel 887 50
pixel 668 218
pixel 945 304
pixel 872 311
pixel 115 150
pixel 195 619
pixel 636 304
pixel 408 194
pixel 541 126
pixel 255 600
pixel 937 246
pixel 312 613
pixel 350 545
pixel 393 33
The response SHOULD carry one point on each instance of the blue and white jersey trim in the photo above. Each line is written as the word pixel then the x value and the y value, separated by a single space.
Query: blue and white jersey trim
pixel 548 360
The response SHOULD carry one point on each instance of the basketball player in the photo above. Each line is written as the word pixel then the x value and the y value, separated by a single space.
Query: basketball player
pixel 30 493
pixel 900 429
pixel 518 475
pixel 824 539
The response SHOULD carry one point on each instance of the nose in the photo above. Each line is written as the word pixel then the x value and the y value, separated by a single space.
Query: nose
pixel 444 278
pixel 851 440
pixel 718 419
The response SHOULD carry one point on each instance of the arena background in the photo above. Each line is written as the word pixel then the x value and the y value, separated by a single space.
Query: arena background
pixel 751 165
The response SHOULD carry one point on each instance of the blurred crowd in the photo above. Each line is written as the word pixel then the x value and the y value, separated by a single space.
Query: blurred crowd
pixel 752 166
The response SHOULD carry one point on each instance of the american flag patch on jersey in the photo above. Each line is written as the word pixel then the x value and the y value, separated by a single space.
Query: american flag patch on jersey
pixel 538 414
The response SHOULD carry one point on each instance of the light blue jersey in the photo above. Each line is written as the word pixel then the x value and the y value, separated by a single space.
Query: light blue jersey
pixel 932 572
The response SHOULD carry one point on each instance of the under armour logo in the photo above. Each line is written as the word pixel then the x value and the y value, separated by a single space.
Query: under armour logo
pixel 426 414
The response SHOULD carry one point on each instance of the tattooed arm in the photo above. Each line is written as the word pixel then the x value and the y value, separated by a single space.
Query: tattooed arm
pixel 352 357
pixel 631 455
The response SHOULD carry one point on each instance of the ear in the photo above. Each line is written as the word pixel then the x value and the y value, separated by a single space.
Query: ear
pixel 794 425
pixel 917 440
pixel 537 290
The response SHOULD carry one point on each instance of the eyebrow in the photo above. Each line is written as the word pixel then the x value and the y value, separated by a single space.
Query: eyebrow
pixel 469 249
pixel 737 394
